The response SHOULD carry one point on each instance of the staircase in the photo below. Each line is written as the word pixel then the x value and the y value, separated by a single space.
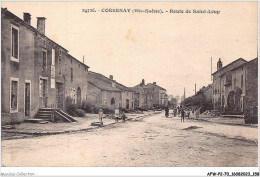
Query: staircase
pixel 45 115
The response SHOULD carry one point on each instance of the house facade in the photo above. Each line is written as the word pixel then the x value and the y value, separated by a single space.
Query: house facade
pixel 160 97
pixel 251 92
pixel 233 87
pixel 150 95
pixel 229 86
pixel 34 69
pixel 103 91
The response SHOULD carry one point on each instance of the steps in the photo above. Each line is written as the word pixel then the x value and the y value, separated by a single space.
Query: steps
pixel 45 115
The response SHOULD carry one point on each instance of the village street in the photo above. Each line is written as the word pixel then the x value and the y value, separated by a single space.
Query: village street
pixel 150 141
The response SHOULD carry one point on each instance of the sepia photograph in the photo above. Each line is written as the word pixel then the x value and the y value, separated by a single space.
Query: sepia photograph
pixel 130 84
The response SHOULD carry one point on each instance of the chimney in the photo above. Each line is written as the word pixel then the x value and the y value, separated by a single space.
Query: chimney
pixel 27 18
pixel 154 83
pixel 41 24
pixel 219 64
pixel 143 83
pixel 111 77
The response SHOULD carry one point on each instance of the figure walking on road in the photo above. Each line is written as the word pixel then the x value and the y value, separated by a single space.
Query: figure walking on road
pixel 100 116
pixel 166 111
pixel 182 114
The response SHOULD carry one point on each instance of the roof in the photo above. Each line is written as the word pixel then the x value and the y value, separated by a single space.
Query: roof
pixel 101 78
pixel 222 69
pixel 150 85
pixel 78 60
pixel 19 20
pixel 101 84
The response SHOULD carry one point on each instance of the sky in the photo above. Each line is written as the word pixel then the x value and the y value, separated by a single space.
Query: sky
pixel 172 49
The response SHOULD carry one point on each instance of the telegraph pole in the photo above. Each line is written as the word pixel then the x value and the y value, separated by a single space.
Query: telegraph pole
pixel 195 89
pixel 211 70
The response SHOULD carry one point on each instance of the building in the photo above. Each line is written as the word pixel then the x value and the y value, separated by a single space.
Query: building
pixel 234 87
pixel 251 91
pixel 101 92
pixel 150 95
pixel 160 97
pixel 36 71
pixel 108 92
pixel 228 86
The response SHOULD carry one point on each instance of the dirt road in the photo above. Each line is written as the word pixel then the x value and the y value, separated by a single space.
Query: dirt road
pixel 152 141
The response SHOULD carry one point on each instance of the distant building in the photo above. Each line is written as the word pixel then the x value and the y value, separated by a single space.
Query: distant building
pixel 105 91
pixel 151 95
pixel 101 92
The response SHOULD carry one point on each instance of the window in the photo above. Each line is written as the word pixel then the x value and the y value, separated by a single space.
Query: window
pixel 113 101
pixel 15 43
pixel 242 81
pixel 235 80
pixel 44 43
pixel 14 95
pixel 71 74
pixel 59 65
pixel 60 52
pixel 44 61
pixel 53 57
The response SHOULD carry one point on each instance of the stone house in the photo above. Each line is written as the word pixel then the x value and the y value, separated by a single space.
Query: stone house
pixel 107 92
pixel 160 97
pixel 102 93
pixel 229 86
pixel 233 85
pixel 150 95
pixel 34 69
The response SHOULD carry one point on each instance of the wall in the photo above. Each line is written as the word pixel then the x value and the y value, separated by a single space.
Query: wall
pixel 251 90
pixel 23 70
pixel 127 95
pixel 94 95
pixel 108 95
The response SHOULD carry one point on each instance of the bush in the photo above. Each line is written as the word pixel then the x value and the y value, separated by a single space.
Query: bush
pixel 80 113
pixel 70 107
pixel 141 109
pixel 107 110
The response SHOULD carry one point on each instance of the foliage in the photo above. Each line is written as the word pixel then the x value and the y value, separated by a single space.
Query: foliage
pixel 141 109
pixel 80 113
pixel 198 101
pixel 70 107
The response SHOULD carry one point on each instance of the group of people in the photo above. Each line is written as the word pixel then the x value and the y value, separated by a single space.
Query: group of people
pixel 179 110
pixel 118 115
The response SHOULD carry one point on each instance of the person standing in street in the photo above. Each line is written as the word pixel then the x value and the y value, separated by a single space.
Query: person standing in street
pixel 166 111
pixel 100 116
pixel 182 114
pixel 116 115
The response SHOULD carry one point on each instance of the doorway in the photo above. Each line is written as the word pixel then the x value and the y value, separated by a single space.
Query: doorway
pixel 27 99
pixel 59 95
pixel 43 93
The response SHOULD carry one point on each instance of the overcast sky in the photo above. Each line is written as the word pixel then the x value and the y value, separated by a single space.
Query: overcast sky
pixel 173 50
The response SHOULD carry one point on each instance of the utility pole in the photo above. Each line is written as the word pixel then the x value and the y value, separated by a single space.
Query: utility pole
pixel 211 70
pixel 184 94
pixel 195 89
pixel 84 59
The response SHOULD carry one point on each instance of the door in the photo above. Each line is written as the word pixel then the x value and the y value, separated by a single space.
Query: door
pixel 79 96
pixel 27 98
pixel 127 103
pixel 59 95
pixel 43 93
